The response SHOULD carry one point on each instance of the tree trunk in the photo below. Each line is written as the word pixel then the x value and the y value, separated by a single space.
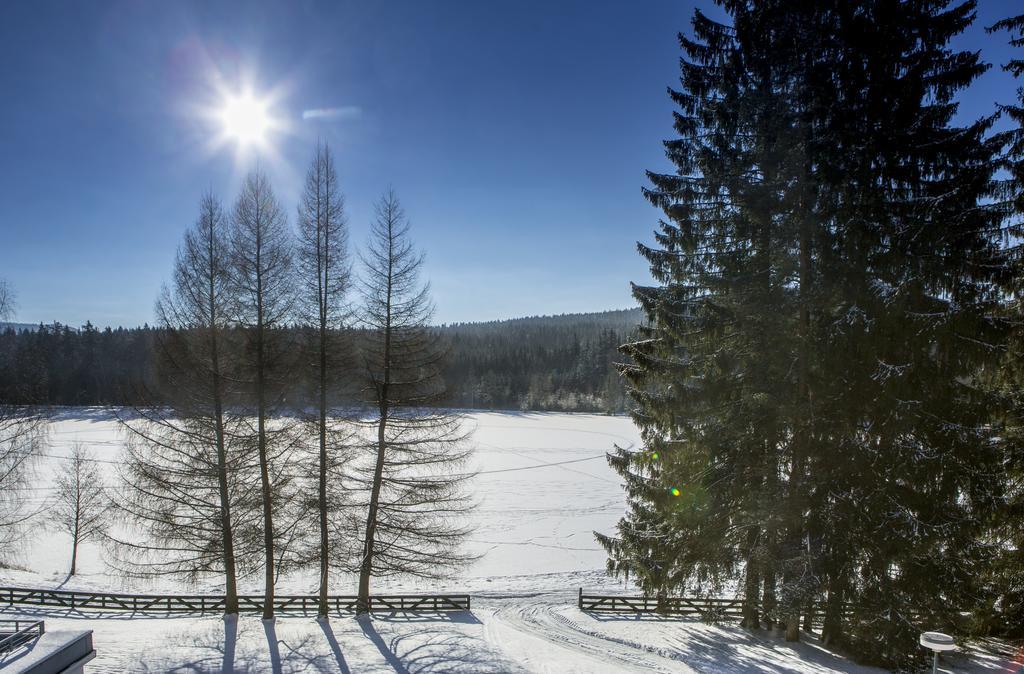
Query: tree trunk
pixel 268 516
pixel 74 554
pixel 227 535
pixel 832 627
pixel 768 603
pixel 793 626
pixel 366 570
pixel 261 441
pixel 78 516
pixel 661 602
pixel 363 602
pixel 230 573
pixel 751 615
pixel 795 515
pixel 323 289
pixel 324 543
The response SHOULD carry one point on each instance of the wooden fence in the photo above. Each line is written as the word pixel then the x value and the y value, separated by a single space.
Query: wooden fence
pixel 163 603
pixel 704 607
pixel 707 608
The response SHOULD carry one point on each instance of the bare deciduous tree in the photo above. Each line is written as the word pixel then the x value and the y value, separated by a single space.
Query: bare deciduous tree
pixel 189 482
pixel 22 431
pixel 415 500
pixel 323 278
pixel 6 300
pixel 262 286
pixel 82 508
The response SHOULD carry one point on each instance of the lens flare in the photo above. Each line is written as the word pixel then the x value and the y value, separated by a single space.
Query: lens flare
pixel 675 491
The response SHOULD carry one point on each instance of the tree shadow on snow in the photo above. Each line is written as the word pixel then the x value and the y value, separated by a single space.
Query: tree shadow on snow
pixel 216 650
pixel 437 649
pixel 462 617
pixel 701 645
pixel 335 648
pixel 230 642
pixel 270 630
pixel 366 624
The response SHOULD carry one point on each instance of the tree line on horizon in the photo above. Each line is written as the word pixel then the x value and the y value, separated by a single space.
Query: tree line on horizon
pixel 829 385
pixel 546 363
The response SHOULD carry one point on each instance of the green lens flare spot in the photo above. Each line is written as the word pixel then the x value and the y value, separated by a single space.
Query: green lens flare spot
pixel 675 491
pixel 655 456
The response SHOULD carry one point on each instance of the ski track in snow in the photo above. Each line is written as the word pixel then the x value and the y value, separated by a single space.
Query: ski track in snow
pixel 517 627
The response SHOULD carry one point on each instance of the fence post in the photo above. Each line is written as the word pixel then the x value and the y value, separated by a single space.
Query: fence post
pixel 579 602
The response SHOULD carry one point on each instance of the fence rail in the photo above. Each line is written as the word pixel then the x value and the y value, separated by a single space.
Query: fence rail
pixel 705 607
pixel 14 633
pixel 163 603
pixel 708 608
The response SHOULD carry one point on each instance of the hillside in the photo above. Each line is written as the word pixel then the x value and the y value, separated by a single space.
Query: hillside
pixel 561 362
pixel 544 363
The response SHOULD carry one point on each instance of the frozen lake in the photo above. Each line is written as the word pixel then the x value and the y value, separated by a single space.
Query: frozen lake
pixel 542 486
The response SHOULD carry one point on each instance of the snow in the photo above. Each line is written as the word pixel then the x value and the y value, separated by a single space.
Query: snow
pixel 531 522
pixel 543 487
pixel 50 650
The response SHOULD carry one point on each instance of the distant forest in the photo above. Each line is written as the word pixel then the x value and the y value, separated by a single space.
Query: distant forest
pixel 550 363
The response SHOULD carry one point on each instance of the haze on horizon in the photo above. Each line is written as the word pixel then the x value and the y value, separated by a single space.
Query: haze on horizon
pixel 517 135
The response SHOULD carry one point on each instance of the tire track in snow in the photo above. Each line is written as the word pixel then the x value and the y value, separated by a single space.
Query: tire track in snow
pixel 540 620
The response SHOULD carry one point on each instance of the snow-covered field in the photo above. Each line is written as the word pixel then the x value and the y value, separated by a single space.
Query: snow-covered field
pixel 543 488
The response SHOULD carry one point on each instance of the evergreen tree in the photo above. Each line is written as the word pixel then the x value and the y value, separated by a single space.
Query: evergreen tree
pixel 914 276
pixel 829 283
pixel 714 375
pixel 1008 534
pixel 522 364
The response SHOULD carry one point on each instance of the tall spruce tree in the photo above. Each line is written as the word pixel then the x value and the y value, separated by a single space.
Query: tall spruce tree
pixel 1011 190
pixel 912 475
pixel 715 379
pixel 828 292
pixel 1006 612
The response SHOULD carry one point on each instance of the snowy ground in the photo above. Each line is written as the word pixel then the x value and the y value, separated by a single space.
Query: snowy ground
pixel 543 489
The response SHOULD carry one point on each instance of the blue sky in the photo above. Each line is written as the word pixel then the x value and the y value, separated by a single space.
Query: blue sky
pixel 516 134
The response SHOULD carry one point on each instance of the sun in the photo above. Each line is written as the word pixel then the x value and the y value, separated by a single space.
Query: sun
pixel 239 117
pixel 246 119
